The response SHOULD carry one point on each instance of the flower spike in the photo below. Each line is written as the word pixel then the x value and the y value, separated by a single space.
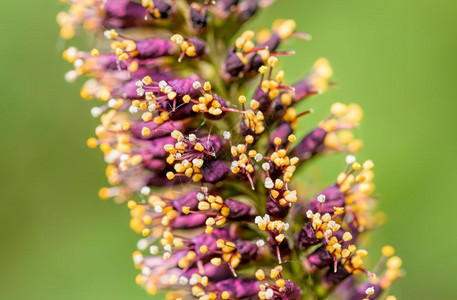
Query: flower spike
pixel 202 134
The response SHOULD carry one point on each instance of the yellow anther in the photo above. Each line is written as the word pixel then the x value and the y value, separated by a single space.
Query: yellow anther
pixel 125 126
pixel 147 116
pixel 123 56
pixel 203 249
pixel 112 34
pixel 347 236
pixel 254 104
pixel 94 52
pixel 147 80
pixel 247 35
pixel 239 42
pixel 339 109
pixel 207 86
pixel 249 139
pixel 199 147
pixel 263 69
pixel 216 261
pixel 145 131
pixel 394 262
pixel 203 205
pixel 272 61
pixel 92 142
pixel 145 232
pixel 279 238
pixel 177 38
pixel 104 193
pixel 388 251
pixel 277 141
pixel 280 282
pixel 118 51
pixel 280 76
pixel 368 165
pixel 274 273
pixel 260 274
pixel 131 204
pixel 186 99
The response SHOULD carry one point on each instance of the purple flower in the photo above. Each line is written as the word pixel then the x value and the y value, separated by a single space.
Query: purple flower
pixel 197 126
pixel 373 290
pixel 124 13
pixel 307 236
pixel 312 144
pixel 239 288
pixel 333 198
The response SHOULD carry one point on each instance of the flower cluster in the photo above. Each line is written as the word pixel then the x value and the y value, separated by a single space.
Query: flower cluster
pixel 197 126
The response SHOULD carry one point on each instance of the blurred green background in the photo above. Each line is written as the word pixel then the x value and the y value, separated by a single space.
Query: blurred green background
pixel 397 58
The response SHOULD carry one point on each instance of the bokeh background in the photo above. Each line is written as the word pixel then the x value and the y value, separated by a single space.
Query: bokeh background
pixel 397 58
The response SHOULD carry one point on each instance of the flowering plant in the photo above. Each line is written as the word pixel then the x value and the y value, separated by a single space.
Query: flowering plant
pixel 207 170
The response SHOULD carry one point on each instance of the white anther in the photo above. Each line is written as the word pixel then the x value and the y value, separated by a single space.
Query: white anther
pixel 269 183
pixel 193 280
pixel 146 271
pixel 266 166
pixel 200 196
pixel 309 214
pixel 192 137
pixel 162 84
pixel 152 107
pixel 260 243
pixel 107 34
pixel 227 135
pixel 183 280
pixel 133 109
pixel 321 198
pixel 196 162
pixel 168 89
pixel 72 51
pixel 167 248
pixel 258 157
pixel 139 83
pixel 142 244
pixel 112 103
pixel 350 159
pixel 96 111
pixel 196 85
pixel 328 233
pixel 154 250
pixel 138 259
pixel 158 209
pixel 71 76
pixel 145 190
pixel 112 156
pixel 140 91
pixel 78 63
pixel 269 294
pixel 369 291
